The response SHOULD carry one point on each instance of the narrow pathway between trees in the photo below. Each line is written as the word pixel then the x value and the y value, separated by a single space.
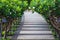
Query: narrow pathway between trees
pixel 33 27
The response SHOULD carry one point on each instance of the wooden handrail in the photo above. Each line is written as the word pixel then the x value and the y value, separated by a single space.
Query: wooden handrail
pixel 55 23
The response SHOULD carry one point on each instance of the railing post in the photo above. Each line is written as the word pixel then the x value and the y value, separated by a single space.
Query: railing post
pixel 5 36
pixel 4 21
pixel 59 35
pixel 0 30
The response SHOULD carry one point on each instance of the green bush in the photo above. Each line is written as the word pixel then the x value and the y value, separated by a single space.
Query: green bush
pixel 12 8
pixel 3 33
pixel 6 39
pixel 46 7
pixel 10 33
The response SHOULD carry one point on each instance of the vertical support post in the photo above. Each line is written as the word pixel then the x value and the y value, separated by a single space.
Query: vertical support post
pixel 59 35
pixel 0 29
pixel 4 21
pixel 6 32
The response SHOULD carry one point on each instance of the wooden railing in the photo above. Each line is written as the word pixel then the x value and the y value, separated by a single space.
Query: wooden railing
pixel 8 26
pixel 56 25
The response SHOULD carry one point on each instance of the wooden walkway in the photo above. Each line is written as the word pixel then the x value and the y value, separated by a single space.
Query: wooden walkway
pixel 34 27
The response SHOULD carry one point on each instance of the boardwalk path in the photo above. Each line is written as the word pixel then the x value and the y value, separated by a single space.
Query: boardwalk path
pixel 34 27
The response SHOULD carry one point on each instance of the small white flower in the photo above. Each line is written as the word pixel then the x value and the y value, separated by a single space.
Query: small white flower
pixel 10 13
pixel 29 7
pixel 33 7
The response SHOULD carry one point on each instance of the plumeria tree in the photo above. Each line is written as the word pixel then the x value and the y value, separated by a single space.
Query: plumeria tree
pixel 57 8
pixel 10 10
pixel 43 6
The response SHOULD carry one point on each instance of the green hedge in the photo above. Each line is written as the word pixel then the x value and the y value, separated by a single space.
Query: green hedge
pixel 12 8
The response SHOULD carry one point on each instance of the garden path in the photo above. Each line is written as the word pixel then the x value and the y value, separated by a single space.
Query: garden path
pixel 34 27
